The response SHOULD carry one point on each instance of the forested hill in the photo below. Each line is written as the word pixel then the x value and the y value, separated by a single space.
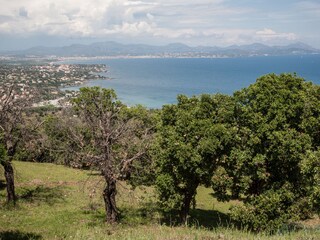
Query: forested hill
pixel 172 50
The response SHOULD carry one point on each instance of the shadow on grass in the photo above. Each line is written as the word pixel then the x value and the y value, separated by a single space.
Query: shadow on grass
pixel 96 215
pixel 49 195
pixel 200 218
pixel 142 215
pixel 131 216
pixel 210 219
pixel 150 213
pixel 17 235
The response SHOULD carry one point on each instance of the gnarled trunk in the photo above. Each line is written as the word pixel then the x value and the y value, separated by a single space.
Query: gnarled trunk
pixel 9 175
pixel 109 196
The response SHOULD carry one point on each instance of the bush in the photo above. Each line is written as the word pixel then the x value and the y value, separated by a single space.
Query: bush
pixel 271 211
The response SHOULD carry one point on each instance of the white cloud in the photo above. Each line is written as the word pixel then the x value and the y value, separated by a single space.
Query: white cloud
pixel 266 32
pixel 208 22
pixel 78 17
pixel 269 34
pixel 138 3
pixel 84 17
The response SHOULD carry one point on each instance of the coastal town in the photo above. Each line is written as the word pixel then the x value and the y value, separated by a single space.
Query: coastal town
pixel 45 82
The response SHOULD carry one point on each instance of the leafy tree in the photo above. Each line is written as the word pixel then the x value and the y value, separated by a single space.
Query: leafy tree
pixel 34 146
pixel 118 138
pixel 277 119
pixel 66 138
pixel 192 137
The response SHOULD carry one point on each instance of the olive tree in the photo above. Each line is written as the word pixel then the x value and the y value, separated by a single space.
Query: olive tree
pixel 118 137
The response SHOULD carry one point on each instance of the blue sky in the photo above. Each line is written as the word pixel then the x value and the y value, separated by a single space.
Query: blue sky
pixel 27 23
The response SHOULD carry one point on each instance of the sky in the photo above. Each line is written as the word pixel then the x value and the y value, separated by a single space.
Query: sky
pixel 28 23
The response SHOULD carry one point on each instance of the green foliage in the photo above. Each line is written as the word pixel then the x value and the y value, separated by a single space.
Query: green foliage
pixel 271 210
pixel 35 146
pixel 62 131
pixel 310 166
pixel 44 110
pixel 193 136
pixel 275 120
pixel 91 102
pixel 260 146
pixel 142 172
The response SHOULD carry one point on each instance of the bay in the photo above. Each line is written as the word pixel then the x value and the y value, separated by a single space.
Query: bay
pixel 154 82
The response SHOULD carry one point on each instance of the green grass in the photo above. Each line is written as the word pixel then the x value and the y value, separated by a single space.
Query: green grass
pixel 56 202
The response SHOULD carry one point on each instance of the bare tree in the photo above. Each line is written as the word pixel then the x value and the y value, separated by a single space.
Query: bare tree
pixel 12 106
pixel 119 137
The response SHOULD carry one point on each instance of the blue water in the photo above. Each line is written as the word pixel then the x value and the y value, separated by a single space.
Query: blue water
pixel 154 82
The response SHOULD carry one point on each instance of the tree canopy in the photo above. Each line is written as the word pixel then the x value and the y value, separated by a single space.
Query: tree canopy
pixel 277 119
pixel 192 136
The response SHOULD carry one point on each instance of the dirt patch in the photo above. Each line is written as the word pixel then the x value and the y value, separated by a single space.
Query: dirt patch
pixel 50 184
pixel 312 223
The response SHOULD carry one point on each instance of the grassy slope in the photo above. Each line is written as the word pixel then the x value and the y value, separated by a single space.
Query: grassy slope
pixel 56 202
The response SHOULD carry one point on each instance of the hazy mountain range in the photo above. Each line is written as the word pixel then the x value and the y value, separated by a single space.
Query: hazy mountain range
pixel 171 50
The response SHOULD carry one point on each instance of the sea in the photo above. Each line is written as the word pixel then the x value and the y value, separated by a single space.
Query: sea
pixel 154 82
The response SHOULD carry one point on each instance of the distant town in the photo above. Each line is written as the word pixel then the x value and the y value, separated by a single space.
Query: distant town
pixel 44 82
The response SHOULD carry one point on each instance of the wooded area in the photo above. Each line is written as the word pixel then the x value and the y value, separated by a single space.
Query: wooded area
pixel 260 146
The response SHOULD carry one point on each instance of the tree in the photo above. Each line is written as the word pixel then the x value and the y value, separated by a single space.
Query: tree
pixel 35 145
pixel 277 121
pixel 192 137
pixel 11 132
pixel 119 137
pixel 66 137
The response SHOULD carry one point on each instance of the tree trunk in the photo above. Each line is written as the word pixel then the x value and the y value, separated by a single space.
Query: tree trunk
pixel 9 175
pixel 185 208
pixel 109 196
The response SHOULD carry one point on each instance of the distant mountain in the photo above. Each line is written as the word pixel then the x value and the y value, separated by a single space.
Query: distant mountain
pixel 171 50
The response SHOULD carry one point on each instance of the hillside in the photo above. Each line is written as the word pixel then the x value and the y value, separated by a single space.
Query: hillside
pixel 56 202
pixel 114 49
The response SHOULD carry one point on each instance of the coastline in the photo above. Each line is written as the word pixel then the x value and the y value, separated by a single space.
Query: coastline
pixel 156 82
